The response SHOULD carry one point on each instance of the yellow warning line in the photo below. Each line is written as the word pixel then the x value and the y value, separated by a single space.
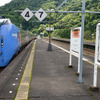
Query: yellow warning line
pixel 23 90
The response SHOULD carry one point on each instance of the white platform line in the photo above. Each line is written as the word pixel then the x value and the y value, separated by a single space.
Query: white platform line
pixel 73 53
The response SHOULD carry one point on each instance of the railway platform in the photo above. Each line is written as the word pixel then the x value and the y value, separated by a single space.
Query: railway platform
pixel 53 80
pixel 50 78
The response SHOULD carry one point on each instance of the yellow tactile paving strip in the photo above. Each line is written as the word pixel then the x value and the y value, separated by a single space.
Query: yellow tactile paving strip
pixel 23 90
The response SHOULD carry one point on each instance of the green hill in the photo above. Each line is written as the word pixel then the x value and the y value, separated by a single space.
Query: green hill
pixel 61 21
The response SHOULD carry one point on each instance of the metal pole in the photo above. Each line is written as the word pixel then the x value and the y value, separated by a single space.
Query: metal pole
pixel 81 44
pixel 70 56
pixel 95 65
pixel 94 87
pixel 95 76
pixel 61 5
pixel 49 45
pixel 97 53
pixel 79 54
pixel 50 29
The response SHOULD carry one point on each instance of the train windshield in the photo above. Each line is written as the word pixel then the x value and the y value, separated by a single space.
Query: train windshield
pixel 4 21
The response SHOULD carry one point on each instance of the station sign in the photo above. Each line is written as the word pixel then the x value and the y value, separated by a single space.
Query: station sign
pixel 50 29
pixel 75 45
pixel 75 39
pixel 27 14
pixel 42 33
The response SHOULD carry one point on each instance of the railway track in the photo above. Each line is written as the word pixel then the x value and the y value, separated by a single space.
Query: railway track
pixel 88 46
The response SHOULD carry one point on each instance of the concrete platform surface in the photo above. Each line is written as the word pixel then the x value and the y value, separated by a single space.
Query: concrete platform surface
pixel 53 80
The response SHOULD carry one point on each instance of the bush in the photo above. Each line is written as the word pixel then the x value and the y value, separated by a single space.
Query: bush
pixel 88 35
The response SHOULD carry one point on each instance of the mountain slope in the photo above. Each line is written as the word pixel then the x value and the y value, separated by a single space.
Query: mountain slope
pixel 63 21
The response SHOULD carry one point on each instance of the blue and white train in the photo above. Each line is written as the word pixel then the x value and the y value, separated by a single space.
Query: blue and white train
pixel 10 40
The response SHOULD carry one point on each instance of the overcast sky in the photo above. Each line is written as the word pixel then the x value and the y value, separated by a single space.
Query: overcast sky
pixel 3 2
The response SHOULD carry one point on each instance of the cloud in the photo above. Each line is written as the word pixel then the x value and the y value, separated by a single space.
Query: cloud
pixel 3 2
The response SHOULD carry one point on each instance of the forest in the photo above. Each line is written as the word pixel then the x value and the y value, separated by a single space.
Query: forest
pixel 62 22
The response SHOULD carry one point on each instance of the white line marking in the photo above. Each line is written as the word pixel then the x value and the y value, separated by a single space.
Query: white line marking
pixel 18 73
pixel 73 53
pixel 20 70
pixel 16 78
pixel 10 91
pixel 14 84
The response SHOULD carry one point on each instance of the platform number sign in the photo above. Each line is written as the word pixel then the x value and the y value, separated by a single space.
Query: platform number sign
pixel 40 14
pixel 27 14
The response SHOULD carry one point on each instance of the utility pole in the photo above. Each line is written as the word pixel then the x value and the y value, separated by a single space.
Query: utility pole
pixel 50 29
pixel 49 45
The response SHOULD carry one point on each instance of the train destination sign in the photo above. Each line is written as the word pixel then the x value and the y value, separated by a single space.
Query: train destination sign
pixel 40 14
pixel 27 14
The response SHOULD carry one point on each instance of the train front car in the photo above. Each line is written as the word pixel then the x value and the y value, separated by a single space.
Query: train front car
pixel 9 40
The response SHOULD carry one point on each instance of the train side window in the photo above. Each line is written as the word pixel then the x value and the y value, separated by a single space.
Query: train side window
pixel 1 41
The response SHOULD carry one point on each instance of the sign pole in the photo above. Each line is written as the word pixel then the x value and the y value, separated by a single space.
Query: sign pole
pixel 81 44
pixel 50 30
pixel 78 72
pixel 49 44
pixel 75 45
pixel 95 76
pixel 70 56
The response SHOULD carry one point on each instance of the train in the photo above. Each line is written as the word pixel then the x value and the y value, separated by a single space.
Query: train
pixel 11 41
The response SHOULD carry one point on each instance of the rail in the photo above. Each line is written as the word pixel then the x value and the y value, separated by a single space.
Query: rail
pixel 86 44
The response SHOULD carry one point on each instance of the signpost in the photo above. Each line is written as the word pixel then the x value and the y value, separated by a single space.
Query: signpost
pixel 75 45
pixel 75 39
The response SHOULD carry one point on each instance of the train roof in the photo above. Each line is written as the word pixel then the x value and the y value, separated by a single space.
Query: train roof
pixel 5 21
